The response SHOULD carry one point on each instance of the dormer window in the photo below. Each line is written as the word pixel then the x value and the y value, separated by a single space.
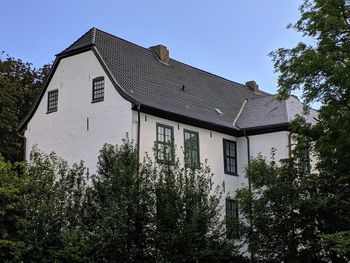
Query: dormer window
pixel 52 101
pixel 98 89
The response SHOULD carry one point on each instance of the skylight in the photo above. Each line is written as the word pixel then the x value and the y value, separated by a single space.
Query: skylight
pixel 218 111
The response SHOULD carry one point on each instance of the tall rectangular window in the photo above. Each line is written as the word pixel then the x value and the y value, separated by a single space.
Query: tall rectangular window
pixel 98 89
pixel 230 157
pixel 232 222
pixel 52 101
pixel 191 144
pixel 165 143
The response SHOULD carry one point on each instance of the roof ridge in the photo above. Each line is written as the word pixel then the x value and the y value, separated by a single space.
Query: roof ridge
pixel 93 29
pixel 127 41
pixel 262 96
pixel 93 36
pixel 212 74
pixel 188 65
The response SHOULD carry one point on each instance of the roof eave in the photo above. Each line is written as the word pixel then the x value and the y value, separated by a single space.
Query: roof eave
pixel 284 126
pixel 188 120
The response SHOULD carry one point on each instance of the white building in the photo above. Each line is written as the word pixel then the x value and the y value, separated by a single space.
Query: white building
pixel 102 87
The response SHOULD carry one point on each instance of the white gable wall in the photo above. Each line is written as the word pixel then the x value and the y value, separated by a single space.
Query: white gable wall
pixel 65 131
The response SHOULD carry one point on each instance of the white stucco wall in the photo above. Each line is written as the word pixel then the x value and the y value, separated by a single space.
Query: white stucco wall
pixel 65 131
pixel 211 147
pixel 263 143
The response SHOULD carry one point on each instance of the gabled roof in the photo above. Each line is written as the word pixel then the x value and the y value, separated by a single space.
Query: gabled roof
pixel 269 111
pixel 177 90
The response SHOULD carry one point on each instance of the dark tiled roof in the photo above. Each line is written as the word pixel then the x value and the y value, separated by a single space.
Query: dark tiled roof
pixel 269 111
pixel 142 76
pixel 262 111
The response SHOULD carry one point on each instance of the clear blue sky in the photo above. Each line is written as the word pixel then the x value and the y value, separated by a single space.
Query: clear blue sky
pixel 231 38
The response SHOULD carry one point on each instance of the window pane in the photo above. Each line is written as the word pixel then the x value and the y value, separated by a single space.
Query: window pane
pixel 52 100
pixel 98 89
pixel 191 148
pixel 230 157
pixel 232 149
pixel 160 151
pixel 167 132
pixel 164 138
pixel 227 146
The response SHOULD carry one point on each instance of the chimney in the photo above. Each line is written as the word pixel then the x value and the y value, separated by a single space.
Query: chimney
pixel 162 53
pixel 252 86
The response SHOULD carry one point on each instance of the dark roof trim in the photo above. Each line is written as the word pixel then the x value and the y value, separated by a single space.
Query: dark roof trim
pixel 30 114
pixel 268 129
pixel 73 52
pixel 111 77
pixel 186 120
pixel 213 127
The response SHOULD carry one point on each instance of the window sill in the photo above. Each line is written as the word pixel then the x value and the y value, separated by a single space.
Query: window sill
pixel 51 111
pixel 163 162
pixel 97 100
pixel 233 174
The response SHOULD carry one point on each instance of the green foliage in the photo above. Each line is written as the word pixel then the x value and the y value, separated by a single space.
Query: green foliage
pixel 19 86
pixel 339 242
pixel 188 221
pixel 128 212
pixel 153 212
pixel 53 203
pixel 283 226
pixel 11 187
pixel 322 69
pixel 322 72
pixel 118 208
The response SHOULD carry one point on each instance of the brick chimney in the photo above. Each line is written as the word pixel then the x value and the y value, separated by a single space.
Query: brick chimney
pixel 162 53
pixel 252 86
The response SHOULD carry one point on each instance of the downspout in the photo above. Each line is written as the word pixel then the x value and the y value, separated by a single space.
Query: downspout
pixel 138 130
pixel 249 181
pixel 250 191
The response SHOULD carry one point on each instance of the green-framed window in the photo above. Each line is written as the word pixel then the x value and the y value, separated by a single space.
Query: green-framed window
pixel 98 89
pixel 230 157
pixel 232 221
pixel 165 143
pixel 52 101
pixel 191 147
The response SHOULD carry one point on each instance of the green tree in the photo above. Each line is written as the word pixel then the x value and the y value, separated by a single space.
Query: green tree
pixel 321 70
pixel 20 84
pixel 118 204
pixel 284 227
pixel 41 210
pixel 189 225
pixel 153 212
pixel 51 228
pixel 11 212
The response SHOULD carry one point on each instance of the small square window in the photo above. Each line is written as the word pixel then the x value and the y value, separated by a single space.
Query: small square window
pixel 98 89
pixel 230 157
pixel 52 101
